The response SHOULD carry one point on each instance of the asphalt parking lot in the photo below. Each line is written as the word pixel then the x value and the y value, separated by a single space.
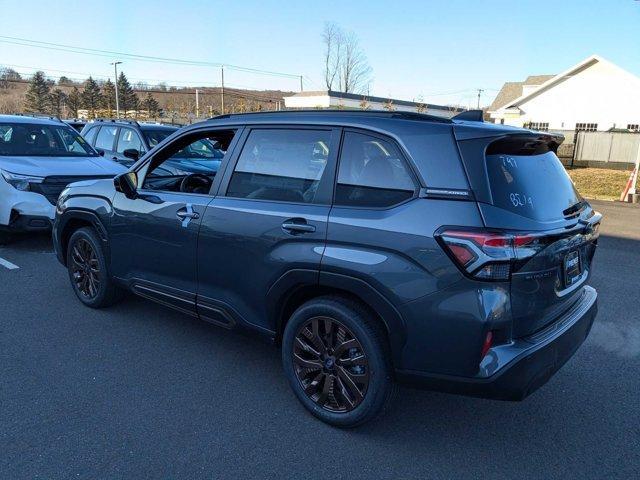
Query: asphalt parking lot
pixel 139 391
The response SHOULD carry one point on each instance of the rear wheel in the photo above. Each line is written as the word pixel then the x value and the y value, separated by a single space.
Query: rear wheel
pixel 88 272
pixel 337 362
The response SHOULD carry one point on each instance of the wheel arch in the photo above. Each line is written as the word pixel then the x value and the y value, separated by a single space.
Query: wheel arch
pixel 296 287
pixel 72 220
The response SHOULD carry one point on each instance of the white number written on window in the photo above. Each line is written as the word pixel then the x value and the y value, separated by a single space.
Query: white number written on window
pixel 508 161
pixel 521 200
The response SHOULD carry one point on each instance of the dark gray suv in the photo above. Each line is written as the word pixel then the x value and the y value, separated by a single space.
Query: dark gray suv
pixel 374 247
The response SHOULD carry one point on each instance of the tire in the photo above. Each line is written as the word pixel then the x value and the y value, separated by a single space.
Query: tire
pixel 326 391
pixel 101 291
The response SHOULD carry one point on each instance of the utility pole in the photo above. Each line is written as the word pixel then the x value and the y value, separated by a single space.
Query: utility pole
pixel 197 105
pixel 301 87
pixel 115 69
pixel 222 91
pixel 480 90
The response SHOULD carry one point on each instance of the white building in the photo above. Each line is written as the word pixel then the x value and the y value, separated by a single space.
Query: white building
pixel 330 99
pixel 595 94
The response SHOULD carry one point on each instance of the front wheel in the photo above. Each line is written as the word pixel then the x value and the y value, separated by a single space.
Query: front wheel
pixel 337 361
pixel 88 272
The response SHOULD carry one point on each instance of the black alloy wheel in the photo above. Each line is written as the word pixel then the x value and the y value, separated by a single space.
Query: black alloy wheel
pixel 85 268
pixel 330 364
pixel 89 271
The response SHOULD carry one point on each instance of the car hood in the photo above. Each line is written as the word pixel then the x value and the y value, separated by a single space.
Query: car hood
pixel 60 166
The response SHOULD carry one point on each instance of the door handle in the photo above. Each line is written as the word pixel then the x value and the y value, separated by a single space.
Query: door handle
pixel 292 227
pixel 186 214
pixel 183 215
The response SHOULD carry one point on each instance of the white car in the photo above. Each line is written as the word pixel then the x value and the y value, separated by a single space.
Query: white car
pixel 39 157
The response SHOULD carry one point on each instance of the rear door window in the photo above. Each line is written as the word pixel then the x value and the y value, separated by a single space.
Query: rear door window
pixel 128 139
pixel 533 186
pixel 281 165
pixel 372 173
pixel 106 137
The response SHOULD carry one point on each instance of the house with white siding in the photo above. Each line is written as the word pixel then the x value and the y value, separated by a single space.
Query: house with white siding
pixel 594 95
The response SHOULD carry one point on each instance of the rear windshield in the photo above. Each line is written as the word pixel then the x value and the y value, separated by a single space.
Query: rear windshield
pixel 534 186
pixel 154 137
pixel 37 140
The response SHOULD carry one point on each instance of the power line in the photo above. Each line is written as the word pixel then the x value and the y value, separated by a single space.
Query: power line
pixel 146 58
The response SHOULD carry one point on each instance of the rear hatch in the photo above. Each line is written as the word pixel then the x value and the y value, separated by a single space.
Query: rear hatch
pixel 523 190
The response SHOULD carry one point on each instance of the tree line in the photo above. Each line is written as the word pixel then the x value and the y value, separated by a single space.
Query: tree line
pixel 93 97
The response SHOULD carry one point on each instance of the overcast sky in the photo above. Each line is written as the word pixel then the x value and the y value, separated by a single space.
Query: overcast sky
pixel 441 51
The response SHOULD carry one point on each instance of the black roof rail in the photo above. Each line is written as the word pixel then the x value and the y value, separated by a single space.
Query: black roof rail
pixel 39 115
pixel 373 113
pixel 470 115
pixel 114 120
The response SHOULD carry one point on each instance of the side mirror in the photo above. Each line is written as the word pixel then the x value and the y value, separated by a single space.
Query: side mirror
pixel 127 183
pixel 100 152
pixel 131 153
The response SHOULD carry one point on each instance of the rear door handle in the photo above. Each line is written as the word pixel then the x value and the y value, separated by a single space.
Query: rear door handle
pixel 293 227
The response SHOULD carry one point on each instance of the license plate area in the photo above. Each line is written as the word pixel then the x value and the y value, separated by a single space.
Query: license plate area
pixel 572 268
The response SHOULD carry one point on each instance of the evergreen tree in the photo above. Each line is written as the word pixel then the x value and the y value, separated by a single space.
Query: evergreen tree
pixel 37 96
pixel 150 104
pixel 74 102
pixel 57 100
pixel 109 96
pixel 126 96
pixel 91 97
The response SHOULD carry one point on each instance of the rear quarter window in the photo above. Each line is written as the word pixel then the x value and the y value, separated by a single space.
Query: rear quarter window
pixel 90 136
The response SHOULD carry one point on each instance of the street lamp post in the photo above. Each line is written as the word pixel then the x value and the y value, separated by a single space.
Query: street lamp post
pixel 115 69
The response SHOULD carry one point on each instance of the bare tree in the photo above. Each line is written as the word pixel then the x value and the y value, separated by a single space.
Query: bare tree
pixel 332 37
pixel 344 61
pixel 355 72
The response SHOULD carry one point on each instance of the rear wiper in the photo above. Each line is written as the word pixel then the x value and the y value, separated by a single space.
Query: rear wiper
pixel 574 209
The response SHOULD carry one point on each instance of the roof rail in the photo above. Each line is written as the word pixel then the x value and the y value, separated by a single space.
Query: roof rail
pixel 39 115
pixel 470 115
pixel 114 120
pixel 386 113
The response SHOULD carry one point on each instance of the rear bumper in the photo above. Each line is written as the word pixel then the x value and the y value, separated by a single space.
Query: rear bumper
pixel 513 371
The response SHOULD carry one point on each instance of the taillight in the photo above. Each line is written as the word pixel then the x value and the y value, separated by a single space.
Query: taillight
pixel 486 255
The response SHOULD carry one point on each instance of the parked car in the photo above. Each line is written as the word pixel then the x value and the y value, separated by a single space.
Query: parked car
pixel 125 141
pixel 374 247
pixel 38 158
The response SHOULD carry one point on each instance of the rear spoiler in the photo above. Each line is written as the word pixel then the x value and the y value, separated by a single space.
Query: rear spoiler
pixel 470 116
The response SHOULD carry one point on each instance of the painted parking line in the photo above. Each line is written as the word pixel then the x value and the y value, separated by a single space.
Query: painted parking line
pixel 8 264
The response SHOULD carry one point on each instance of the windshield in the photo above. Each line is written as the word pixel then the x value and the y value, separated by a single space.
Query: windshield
pixel 534 186
pixel 154 137
pixel 37 140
